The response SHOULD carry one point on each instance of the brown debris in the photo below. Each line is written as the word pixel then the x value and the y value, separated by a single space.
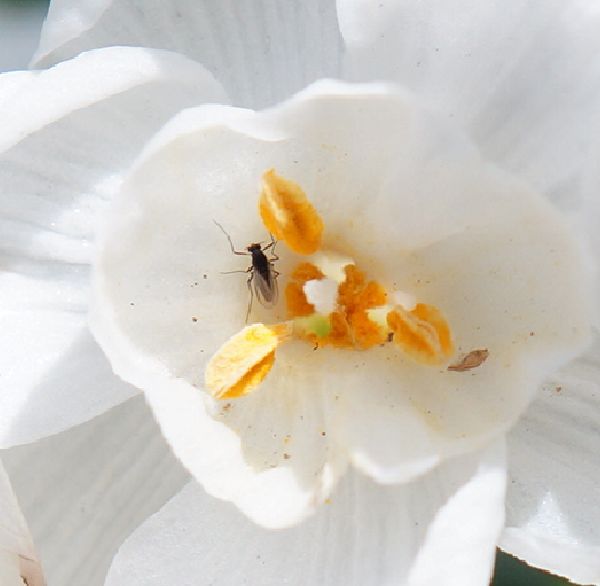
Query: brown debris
pixel 471 360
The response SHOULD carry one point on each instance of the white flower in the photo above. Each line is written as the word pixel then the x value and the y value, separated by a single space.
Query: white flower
pixel 416 209
pixel 118 99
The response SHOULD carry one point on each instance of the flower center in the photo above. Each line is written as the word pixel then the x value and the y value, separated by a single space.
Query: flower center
pixel 329 302
pixel 349 324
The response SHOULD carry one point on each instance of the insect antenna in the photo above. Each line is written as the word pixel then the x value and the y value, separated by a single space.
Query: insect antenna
pixel 240 252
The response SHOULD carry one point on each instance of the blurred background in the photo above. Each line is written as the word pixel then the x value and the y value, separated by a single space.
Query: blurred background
pixel 20 24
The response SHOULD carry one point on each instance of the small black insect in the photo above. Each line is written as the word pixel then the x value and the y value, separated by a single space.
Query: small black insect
pixel 262 281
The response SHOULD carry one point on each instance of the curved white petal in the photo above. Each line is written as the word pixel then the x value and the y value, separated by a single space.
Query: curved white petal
pixel 66 20
pixel 275 463
pixel 93 77
pixel 406 198
pixel 521 76
pixel 553 519
pixel 440 529
pixel 261 50
pixel 67 134
pixel 84 490
pixel 18 558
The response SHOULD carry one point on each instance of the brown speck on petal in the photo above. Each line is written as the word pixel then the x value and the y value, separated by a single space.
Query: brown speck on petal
pixel 471 360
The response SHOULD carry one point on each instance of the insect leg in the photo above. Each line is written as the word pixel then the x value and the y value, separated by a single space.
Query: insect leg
pixel 248 270
pixel 251 291
pixel 272 245
pixel 272 267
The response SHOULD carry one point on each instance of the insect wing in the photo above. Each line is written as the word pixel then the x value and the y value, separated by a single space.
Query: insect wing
pixel 265 287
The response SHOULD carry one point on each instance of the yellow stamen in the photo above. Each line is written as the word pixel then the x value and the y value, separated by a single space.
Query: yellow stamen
pixel 422 333
pixel 366 332
pixel 288 215
pixel 341 336
pixel 242 362
pixel 306 271
pixel 356 296
pixel 351 312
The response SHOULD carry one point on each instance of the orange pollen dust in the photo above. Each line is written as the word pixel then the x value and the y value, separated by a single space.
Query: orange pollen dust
pixel 349 325
pixel 422 332
pixel 295 299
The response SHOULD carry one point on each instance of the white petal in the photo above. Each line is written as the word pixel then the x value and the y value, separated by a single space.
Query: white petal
pixel 472 276
pixel 55 375
pixel 96 76
pixel 63 153
pixel 261 50
pixel 435 221
pixel 521 77
pixel 553 517
pixel 465 530
pixel 84 490
pixel 440 530
pixel 17 555
pixel 275 463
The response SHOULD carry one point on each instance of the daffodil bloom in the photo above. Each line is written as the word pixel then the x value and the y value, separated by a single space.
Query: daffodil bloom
pixel 441 282
pixel 450 229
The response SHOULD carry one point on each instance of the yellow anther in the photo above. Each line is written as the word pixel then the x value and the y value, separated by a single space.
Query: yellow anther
pixel 422 333
pixel 288 215
pixel 242 362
